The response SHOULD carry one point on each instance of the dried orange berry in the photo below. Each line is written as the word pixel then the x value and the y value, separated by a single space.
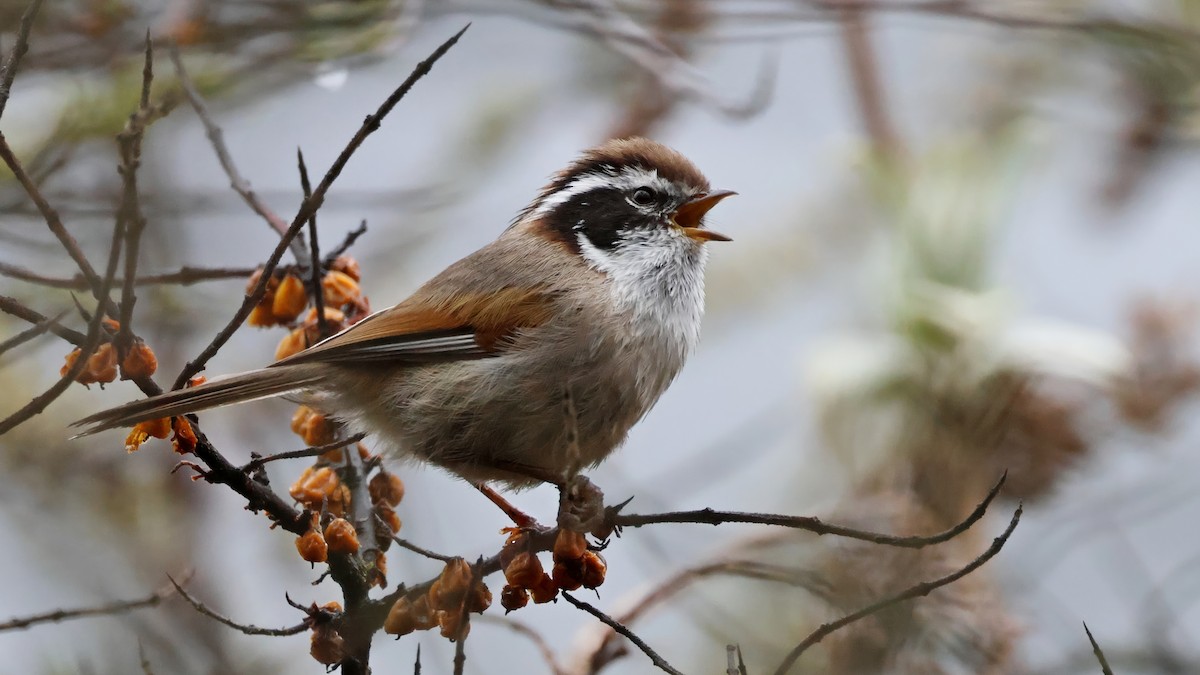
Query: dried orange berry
pixel 142 431
pixel 388 515
pixel 387 488
pixel 567 574
pixel 363 452
pixel 454 624
pixel 348 266
pixel 333 607
pixel 139 362
pixel 317 430
pixel 524 570
pixel 312 546
pixel 299 418
pixel 290 299
pixel 111 323
pixel 341 536
pixel 327 646
pixel 378 574
pixel 401 619
pixel 317 485
pixel 197 381
pixel 261 317
pixel 569 545
pixel 340 289
pixel 101 366
pixel 70 363
pixel 292 343
pixel 513 598
pixel 594 569
pixel 184 440
pixel 451 586
pixel 543 590
pixel 423 616
pixel 479 598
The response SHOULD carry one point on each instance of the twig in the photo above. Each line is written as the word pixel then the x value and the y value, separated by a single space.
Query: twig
pixel 185 276
pixel 809 523
pixel 1104 667
pixel 9 72
pixel 13 307
pixel 918 590
pixel 94 335
pixel 351 237
pixel 313 451
pixel 311 204
pixel 318 291
pixel 53 221
pixel 404 543
pixel 417 661
pixel 613 624
pixel 216 138
pixel 108 609
pixel 30 333
pixel 244 628
pixel 532 635
pixel 130 143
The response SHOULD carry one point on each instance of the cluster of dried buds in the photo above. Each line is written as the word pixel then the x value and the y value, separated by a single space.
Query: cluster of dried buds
pixel 286 299
pixel 183 437
pixel 104 364
pixel 457 592
pixel 575 565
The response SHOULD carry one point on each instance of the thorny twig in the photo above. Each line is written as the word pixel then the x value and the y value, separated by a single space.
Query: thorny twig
pixel 916 591
pixel 216 138
pixel 808 523
pixel 612 623
pixel 1100 658
pixel 244 628
pixel 30 333
pixel 9 71
pixel 524 630
pixel 313 451
pixel 107 609
pixel 311 204
pixel 318 292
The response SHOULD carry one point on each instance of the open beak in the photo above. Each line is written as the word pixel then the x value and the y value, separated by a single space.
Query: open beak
pixel 688 216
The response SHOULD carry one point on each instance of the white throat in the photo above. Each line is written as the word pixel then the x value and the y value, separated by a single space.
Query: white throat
pixel 656 277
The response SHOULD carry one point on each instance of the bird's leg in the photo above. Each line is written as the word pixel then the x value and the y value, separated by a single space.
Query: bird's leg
pixel 580 504
pixel 519 517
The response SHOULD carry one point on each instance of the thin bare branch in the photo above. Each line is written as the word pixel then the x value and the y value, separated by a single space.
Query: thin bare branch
pixel 107 609
pixel 351 237
pixel 532 635
pixel 916 591
pixel 9 71
pixel 404 543
pixel 14 307
pixel 216 138
pixel 868 88
pixel 313 451
pixel 612 623
pixel 30 333
pixel 244 628
pixel 1100 658
pixel 310 206
pixel 53 221
pixel 809 523
pixel 185 276
pixel 315 272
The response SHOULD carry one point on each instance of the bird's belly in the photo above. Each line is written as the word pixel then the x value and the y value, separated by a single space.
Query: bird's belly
pixel 518 418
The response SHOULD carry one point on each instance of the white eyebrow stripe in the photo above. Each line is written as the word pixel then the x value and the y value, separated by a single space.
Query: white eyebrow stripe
pixel 628 178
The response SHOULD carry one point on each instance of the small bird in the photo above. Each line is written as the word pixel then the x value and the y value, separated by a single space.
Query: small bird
pixel 530 358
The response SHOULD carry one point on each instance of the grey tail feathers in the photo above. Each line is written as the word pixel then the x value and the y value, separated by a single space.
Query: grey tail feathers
pixel 248 386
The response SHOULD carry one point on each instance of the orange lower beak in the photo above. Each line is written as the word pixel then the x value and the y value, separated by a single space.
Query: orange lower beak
pixel 688 216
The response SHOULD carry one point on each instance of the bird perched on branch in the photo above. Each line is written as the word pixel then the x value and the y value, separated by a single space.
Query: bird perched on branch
pixel 532 357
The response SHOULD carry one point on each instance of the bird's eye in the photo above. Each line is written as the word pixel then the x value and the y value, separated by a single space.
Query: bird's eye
pixel 644 196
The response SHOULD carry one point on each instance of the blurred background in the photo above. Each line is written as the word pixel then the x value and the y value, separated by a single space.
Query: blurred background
pixel 965 242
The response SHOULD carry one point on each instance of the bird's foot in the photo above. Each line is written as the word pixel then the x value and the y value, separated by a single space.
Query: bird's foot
pixel 580 505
